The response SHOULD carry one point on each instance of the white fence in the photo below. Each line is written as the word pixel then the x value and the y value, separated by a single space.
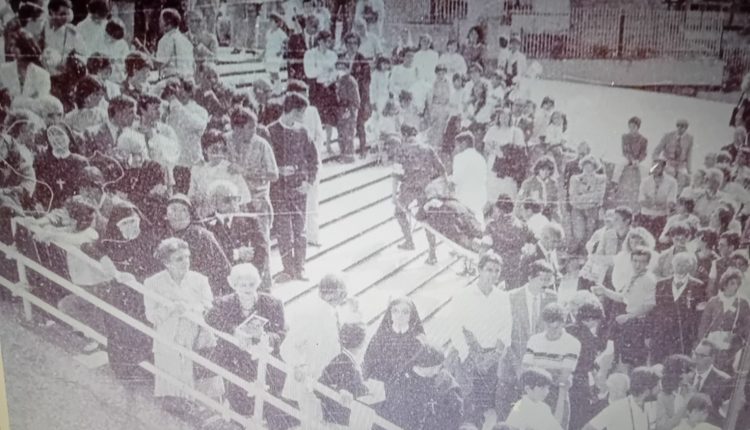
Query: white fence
pixel 363 417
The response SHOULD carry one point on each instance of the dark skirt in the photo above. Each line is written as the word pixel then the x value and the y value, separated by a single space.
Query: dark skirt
pixel 126 346
pixel 324 98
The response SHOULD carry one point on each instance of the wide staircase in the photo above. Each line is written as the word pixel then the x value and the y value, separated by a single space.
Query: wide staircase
pixel 359 237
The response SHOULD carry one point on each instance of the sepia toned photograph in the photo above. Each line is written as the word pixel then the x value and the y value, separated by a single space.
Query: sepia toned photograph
pixel 374 214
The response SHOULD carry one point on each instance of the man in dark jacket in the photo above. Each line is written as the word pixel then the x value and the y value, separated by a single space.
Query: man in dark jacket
pixel 426 397
pixel 347 95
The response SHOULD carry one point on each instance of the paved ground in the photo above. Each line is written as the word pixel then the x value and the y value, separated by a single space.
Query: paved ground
pixel 48 389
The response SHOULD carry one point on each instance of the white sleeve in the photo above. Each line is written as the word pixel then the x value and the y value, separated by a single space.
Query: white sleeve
pixel 163 52
pixel 310 65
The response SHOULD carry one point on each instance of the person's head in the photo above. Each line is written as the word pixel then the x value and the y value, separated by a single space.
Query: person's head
pixel 503 117
pixel 590 313
pixel 679 233
pixel 50 109
pixel 515 43
pixel 214 146
pixel 59 138
pixel 531 206
pixel 682 126
pixel 298 87
pixel 541 276
pixel 125 222
pixel 441 72
pixel 644 382
pixel 27 49
pixel 728 243
pixel 31 17
pixel 169 19
pixel 683 263
pixel 244 281
pixel 558 118
pixel 332 289
pixel 194 20
pixel 352 42
pixel 89 92
pixel 402 315
pixel 174 255
pixel 739 260
pixel 458 81
pixel 225 196
pixel 429 361
pixel 464 140
pixel 352 336
pixel 179 212
pixel 452 46
pixel 704 355
pixel 99 65
pixel 425 42
pixel 92 183
pixel 131 149
pixel 553 316
pixel 640 258
pixel 698 408
pixel 609 218
pixel 475 35
pixel 623 217
pixel 137 67
pixel 409 132
pixel 639 237
pixel 323 40
pixel 149 109
pixel 98 10
pixel 634 124
pixel 383 64
pixel 504 205
pixel 678 370
pixel 708 238
pixel 721 216
pixel 243 121
pixel 115 30
pixel 312 24
pixel 685 205
pixel 583 150
pixel 122 111
pixel 552 236
pixel 714 179
pixel 544 168
pixel 342 68
pixel 730 282
pixel 490 267
pixel 657 169
pixel 618 385
pixel 59 11
pixel 589 164
pixel 295 106
pixel 536 383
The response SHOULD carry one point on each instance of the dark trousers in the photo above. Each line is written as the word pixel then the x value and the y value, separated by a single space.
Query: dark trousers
pixel 630 342
pixel 405 197
pixel 342 10
pixel 289 224
pixel 654 224
pixel 346 128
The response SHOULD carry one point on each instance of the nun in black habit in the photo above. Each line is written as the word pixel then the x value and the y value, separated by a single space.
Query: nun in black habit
pixel 395 344
pixel 127 247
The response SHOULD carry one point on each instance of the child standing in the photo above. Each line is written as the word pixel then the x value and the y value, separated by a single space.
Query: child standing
pixel 348 99
pixel 531 412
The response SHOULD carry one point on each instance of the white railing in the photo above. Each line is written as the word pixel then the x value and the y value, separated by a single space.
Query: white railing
pixel 365 416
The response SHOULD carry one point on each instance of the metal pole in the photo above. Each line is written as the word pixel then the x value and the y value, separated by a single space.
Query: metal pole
pixel 738 395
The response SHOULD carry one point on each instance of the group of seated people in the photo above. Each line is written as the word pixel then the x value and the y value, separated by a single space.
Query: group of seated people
pixel 602 288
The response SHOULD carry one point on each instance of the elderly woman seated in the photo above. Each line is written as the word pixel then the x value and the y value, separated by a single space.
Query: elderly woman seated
pixel 445 214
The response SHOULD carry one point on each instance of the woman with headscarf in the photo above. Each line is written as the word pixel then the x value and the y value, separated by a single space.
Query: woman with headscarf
pixel 58 170
pixel 126 251
pixel 395 344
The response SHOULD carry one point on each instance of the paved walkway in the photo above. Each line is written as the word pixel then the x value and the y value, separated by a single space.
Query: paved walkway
pixel 48 389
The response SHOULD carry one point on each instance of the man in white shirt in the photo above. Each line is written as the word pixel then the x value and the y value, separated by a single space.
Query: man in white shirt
pixel 93 27
pixel 516 65
pixel 629 413
pixel 61 37
pixel 531 412
pixel 174 53
pixel 480 334
pixel 469 175
pixel 657 196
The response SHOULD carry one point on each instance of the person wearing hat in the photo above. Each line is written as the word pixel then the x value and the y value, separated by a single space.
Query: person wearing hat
pixel 676 148
pixel 657 197
pixel 425 396
pixel 470 175
pixel 208 258
pixel 586 197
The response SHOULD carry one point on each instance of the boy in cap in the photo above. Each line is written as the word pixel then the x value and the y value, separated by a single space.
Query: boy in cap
pixel 426 396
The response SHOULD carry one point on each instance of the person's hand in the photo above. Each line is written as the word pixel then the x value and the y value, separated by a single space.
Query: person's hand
pixel 622 319
pixel 287 170
pixel 244 254
pixel 304 187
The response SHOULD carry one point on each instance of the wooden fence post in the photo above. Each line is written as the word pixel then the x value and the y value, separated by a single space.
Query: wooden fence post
pixel 621 34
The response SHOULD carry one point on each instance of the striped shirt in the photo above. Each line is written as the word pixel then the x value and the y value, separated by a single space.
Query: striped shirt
pixel 554 356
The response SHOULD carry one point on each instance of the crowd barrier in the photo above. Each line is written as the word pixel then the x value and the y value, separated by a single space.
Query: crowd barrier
pixel 363 417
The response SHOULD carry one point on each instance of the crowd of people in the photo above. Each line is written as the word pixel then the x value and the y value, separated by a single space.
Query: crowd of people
pixel 630 308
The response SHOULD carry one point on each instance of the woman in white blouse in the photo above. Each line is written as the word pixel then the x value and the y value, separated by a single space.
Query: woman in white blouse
pixel 453 61
pixel 25 76
pixel 425 60
pixel 188 297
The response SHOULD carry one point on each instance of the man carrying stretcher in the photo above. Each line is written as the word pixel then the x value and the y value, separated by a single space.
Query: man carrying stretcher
pixel 415 166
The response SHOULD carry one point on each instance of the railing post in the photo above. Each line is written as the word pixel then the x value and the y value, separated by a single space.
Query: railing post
pixel 621 35
pixel 260 385
pixel 22 278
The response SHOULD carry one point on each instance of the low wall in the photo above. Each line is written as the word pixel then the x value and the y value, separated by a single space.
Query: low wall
pixel 637 73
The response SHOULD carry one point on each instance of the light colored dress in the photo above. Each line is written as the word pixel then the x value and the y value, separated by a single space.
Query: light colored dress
pixel 194 293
